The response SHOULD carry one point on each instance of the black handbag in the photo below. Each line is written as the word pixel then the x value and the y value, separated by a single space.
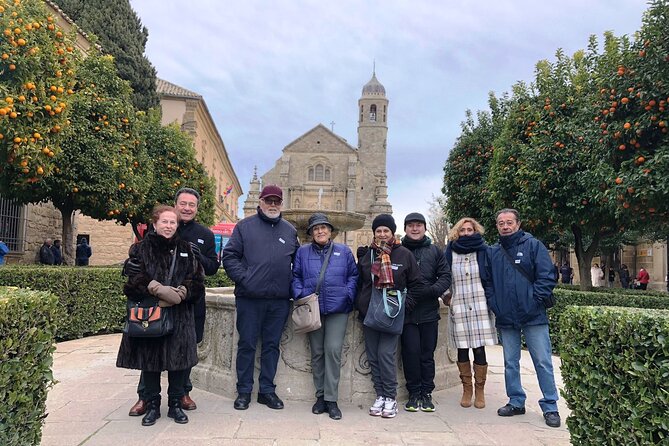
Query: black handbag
pixel 549 302
pixel 151 321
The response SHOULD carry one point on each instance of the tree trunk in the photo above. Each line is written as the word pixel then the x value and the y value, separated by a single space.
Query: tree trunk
pixel 584 256
pixel 68 243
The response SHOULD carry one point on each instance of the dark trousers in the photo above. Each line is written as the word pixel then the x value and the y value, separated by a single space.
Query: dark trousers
pixel 419 342
pixel 264 318
pixel 175 390
pixel 381 349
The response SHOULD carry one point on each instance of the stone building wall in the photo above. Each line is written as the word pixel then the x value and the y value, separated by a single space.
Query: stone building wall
pixel 109 241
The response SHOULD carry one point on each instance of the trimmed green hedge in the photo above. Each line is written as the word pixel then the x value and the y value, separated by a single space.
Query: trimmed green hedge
pixel 567 297
pixel 27 333
pixel 615 366
pixel 627 291
pixel 90 300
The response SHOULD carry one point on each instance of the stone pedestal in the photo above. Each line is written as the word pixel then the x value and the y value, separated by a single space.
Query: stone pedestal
pixel 217 352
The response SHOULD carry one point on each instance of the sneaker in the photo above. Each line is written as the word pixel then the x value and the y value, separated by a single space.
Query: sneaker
pixel 426 403
pixel 552 419
pixel 377 407
pixel 413 404
pixel 510 410
pixel 333 410
pixel 389 408
pixel 319 406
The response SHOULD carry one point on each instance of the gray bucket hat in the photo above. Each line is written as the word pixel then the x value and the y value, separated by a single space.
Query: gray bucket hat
pixel 318 219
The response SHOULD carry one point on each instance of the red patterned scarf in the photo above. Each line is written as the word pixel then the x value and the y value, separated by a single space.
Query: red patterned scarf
pixel 382 268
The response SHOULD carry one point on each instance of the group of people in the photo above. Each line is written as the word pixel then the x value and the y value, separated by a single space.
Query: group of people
pixel 502 289
pixel 640 282
pixel 51 253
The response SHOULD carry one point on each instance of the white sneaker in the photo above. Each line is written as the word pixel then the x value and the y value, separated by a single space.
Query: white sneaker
pixel 389 408
pixel 377 408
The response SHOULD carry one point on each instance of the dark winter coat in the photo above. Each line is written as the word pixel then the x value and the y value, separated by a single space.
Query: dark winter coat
pixel 83 253
pixel 436 275
pixel 406 276
pixel 46 255
pixel 259 256
pixel 177 351
pixel 340 280
pixel 204 239
pixel 516 301
pixel 57 255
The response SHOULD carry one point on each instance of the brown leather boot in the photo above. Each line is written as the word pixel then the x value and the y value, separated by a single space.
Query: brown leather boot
pixel 480 373
pixel 139 408
pixel 466 378
pixel 187 403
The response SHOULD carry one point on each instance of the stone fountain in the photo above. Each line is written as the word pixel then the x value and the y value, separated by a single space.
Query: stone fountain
pixel 341 220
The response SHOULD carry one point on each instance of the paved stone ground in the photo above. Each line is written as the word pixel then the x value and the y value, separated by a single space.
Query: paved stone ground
pixel 89 406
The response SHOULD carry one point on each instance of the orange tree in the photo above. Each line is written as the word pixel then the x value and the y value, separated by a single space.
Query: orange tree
pixel 468 163
pixel 37 63
pixel 175 166
pixel 634 93
pixel 101 170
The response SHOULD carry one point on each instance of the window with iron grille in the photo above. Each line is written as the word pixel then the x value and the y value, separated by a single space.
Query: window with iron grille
pixel 12 224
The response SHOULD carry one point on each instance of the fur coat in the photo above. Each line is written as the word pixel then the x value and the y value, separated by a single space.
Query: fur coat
pixel 177 351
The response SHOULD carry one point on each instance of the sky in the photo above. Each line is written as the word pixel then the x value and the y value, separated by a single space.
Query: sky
pixel 270 71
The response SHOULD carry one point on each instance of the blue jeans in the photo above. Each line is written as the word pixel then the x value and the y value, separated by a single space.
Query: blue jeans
pixel 264 318
pixel 539 345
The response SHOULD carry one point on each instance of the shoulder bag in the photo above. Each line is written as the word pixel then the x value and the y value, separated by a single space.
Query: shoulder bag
pixel 386 310
pixel 306 312
pixel 549 302
pixel 150 321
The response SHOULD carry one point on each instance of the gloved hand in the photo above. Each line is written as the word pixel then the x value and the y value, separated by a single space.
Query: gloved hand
pixel 164 292
pixel 181 291
pixel 446 297
pixel 362 251
pixel 196 250
pixel 131 267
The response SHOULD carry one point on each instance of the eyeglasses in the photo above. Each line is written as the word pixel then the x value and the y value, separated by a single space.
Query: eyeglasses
pixel 501 224
pixel 186 204
pixel 272 201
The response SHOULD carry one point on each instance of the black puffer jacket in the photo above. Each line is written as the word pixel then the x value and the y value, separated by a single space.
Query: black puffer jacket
pixel 177 351
pixel 436 275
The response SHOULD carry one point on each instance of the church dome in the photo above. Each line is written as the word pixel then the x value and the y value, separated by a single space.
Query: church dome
pixel 373 87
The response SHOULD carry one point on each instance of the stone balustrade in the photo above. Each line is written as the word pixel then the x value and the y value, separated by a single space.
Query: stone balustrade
pixel 217 352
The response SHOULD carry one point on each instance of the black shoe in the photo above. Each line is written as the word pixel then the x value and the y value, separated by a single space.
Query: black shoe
pixel 426 404
pixel 175 411
pixel 242 402
pixel 413 404
pixel 319 406
pixel 270 400
pixel 152 413
pixel 552 419
pixel 333 410
pixel 509 411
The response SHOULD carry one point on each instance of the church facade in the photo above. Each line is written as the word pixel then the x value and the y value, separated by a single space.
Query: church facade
pixel 321 171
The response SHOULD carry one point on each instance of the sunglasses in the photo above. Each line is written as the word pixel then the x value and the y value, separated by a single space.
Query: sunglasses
pixel 272 201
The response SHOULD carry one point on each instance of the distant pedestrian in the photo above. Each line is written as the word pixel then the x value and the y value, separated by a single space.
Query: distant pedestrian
pixel 45 253
pixel 567 273
pixel 597 275
pixel 624 274
pixel 83 253
pixel 4 249
pixel 642 278
pixel 57 253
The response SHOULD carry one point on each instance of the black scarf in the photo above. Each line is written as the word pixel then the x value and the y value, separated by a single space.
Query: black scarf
pixel 507 241
pixel 264 217
pixel 468 243
pixel 415 244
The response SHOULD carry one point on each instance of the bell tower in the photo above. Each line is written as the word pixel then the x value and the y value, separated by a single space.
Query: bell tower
pixel 372 144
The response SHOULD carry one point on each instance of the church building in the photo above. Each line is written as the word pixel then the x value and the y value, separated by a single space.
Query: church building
pixel 321 171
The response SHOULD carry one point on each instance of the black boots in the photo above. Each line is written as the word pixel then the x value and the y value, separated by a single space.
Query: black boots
pixel 152 412
pixel 175 411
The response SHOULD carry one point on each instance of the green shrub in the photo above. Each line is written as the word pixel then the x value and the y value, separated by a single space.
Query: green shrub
pixel 90 300
pixel 627 291
pixel 615 367
pixel 567 297
pixel 27 330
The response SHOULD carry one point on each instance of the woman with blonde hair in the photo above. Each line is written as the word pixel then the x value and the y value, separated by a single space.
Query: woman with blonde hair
pixel 472 324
